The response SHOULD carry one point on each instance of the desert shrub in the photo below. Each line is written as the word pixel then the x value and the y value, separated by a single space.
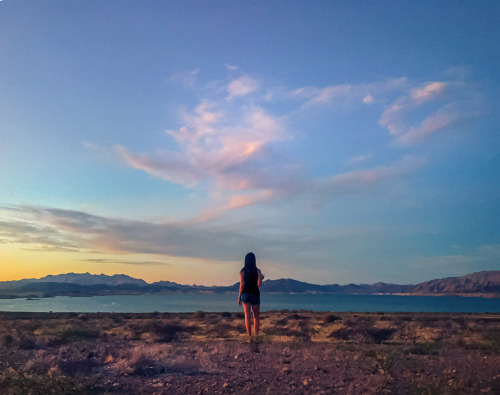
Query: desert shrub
pixel 143 365
pixel 78 365
pixel 281 331
pixel 350 323
pixel 425 348
pixel 329 318
pixel 341 333
pixel 7 340
pixel 199 314
pixel 38 384
pixel 380 335
pixel 165 331
pixel 117 318
pixel 491 339
pixel 73 334
pixel 220 330
pixel 27 344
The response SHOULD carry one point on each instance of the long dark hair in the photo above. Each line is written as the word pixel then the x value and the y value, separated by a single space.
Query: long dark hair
pixel 250 264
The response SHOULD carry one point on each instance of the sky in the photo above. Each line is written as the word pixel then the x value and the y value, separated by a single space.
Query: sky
pixel 341 142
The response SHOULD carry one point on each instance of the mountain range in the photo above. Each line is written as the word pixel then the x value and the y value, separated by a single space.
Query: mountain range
pixel 485 283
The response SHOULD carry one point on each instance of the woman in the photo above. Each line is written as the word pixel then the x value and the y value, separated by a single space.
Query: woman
pixel 249 295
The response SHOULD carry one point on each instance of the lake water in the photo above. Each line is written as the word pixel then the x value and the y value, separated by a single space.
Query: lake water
pixel 191 302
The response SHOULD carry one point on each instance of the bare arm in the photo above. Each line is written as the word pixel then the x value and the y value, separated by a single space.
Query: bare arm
pixel 260 278
pixel 241 288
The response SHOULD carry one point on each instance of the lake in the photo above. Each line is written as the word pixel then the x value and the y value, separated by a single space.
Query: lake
pixel 190 302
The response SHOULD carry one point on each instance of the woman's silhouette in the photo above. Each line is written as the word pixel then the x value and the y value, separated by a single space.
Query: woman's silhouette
pixel 249 295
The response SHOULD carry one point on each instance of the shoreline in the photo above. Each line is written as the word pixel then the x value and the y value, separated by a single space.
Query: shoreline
pixel 38 296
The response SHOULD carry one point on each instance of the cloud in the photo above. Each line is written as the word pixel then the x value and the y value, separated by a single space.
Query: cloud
pixel 98 234
pixel 428 91
pixel 346 95
pixel 125 262
pixel 233 147
pixel 358 159
pixel 241 87
pixel 368 99
pixel 215 146
pixel 484 257
pixel 186 77
pixel 453 102
pixel 359 180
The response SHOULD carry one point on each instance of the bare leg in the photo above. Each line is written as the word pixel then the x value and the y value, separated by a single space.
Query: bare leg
pixel 256 318
pixel 248 317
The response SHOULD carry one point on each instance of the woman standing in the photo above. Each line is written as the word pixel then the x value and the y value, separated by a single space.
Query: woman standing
pixel 249 295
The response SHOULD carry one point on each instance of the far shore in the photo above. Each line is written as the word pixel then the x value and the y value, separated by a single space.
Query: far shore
pixel 40 295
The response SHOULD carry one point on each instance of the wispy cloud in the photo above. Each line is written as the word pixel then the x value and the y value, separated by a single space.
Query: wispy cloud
pixel 186 77
pixel 359 180
pixel 103 235
pixel 483 257
pixel 355 160
pixel 241 86
pixel 345 95
pixel 455 102
pixel 125 262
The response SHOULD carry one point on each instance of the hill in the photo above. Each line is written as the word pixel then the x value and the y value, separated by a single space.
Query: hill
pixel 486 283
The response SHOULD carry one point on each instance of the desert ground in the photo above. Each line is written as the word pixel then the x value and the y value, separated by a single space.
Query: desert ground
pixel 298 352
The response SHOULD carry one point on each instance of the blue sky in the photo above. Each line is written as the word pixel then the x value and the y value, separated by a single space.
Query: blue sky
pixel 339 141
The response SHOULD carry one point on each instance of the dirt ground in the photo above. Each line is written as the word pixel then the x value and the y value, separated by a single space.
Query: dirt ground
pixel 297 352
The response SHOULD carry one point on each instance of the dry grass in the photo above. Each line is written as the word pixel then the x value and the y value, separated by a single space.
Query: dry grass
pixel 106 353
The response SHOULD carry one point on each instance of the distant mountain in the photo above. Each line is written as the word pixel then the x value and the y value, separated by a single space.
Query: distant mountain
pixel 76 278
pixel 486 283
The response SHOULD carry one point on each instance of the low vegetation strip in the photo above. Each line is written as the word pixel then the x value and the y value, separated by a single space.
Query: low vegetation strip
pixel 296 352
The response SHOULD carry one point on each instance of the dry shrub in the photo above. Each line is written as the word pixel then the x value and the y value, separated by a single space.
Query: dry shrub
pixel 329 318
pixel 166 331
pixel 341 333
pixel 27 344
pixel 220 330
pixel 380 335
pixel 425 348
pixel 144 365
pixel 76 334
pixel 199 314
pixel 139 362
pixel 7 340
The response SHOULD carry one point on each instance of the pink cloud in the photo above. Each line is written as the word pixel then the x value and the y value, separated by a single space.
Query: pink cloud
pixel 460 103
pixel 241 86
pixel 428 91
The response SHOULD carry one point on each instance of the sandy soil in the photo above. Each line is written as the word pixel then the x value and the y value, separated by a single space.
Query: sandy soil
pixel 208 353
